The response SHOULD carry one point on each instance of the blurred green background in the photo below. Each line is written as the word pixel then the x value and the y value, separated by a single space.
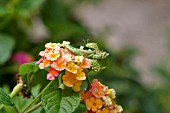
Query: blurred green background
pixel 26 25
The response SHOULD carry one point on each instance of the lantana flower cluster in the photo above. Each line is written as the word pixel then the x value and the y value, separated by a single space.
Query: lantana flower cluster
pixel 57 58
pixel 100 99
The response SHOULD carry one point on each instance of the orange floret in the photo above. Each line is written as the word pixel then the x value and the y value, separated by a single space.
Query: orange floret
pixel 93 104
pixel 106 110
pixel 76 86
pixel 59 64
pixel 97 85
pixel 71 67
pixel 69 79
pixel 97 89
pixel 85 95
pixel 80 74
pixel 97 92
pixel 86 63
pixel 45 63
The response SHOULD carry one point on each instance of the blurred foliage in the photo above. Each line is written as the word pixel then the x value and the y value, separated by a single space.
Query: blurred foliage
pixel 162 93
pixel 20 24
pixel 21 102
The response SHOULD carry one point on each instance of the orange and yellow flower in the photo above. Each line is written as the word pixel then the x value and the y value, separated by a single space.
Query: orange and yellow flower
pixel 45 63
pixel 93 104
pixel 106 110
pixel 80 75
pixel 59 64
pixel 97 89
pixel 53 45
pixel 69 79
pixel 97 92
pixel 100 99
pixel 76 86
pixel 52 55
pixel 79 58
pixel 85 95
pixel 72 67
pixel 86 63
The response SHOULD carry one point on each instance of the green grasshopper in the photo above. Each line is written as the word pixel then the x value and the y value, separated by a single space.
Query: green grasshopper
pixel 93 52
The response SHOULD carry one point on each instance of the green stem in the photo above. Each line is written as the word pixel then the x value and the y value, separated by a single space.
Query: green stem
pixel 16 109
pixel 38 96
pixel 88 82
pixel 32 76
pixel 34 108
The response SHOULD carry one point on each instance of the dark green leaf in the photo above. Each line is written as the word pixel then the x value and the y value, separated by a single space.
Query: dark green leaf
pixel 81 108
pixel 60 101
pixel 28 68
pixel 6 46
pixel 5 99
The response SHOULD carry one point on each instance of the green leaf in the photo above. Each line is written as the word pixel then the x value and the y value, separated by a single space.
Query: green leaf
pixel 5 99
pixel 6 46
pixel 28 68
pixel 81 108
pixel 60 101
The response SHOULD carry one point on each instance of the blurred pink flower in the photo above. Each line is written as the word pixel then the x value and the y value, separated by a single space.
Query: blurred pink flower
pixel 22 57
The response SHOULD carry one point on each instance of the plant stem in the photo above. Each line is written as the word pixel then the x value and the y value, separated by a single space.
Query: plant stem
pixel 34 108
pixel 32 76
pixel 16 109
pixel 38 96
pixel 88 81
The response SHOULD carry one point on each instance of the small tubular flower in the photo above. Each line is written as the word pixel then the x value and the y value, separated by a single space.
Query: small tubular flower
pixel 53 45
pixel 52 74
pixel 52 55
pixel 86 63
pixel 85 95
pixel 69 79
pixel 119 108
pixel 110 92
pixel 93 104
pixel 59 64
pixel 76 86
pixel 97 89
pixel 79 58
pixel 97 92
pixel 80 75
pixel 45 63
pixel 72 67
